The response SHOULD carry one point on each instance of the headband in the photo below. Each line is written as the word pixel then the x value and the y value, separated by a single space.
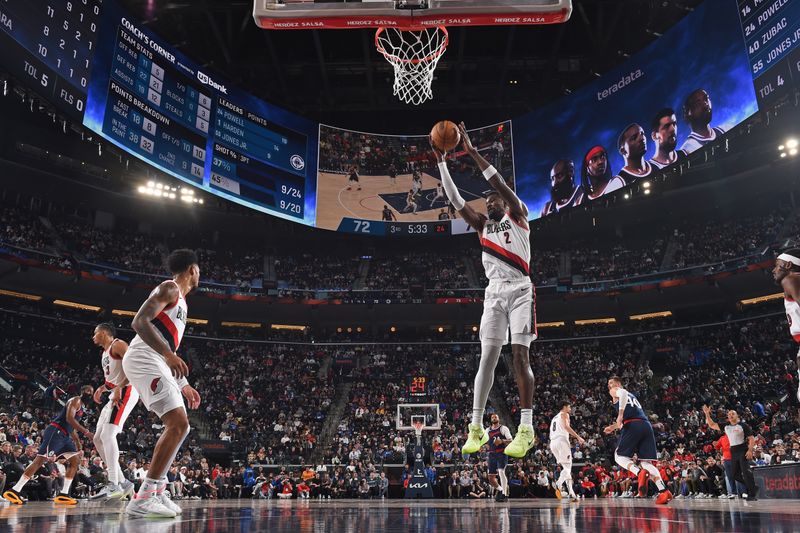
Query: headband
pixel 593 152
pixel 790 258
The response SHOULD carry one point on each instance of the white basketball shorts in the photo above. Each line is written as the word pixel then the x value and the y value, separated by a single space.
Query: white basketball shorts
pixel 153 380
pixel 118 414
pixel 561 450
pixel 509 305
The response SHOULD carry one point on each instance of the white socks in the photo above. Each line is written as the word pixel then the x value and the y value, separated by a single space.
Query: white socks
pixel 148 489
pixel 21 483
pixel 484 380
pixel 67 485
pixel 566 477
pixel 526 417
pixel 501 473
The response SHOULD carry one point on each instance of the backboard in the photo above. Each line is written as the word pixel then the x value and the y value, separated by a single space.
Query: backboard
pixel 310 14
pixel 408 413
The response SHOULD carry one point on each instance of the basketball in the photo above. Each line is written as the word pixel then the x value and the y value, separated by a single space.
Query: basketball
pixel 445 135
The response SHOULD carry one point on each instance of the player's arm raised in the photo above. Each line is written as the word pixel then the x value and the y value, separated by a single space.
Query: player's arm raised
pixel 709 422
pixel 166 294
pixel 516 208
pixel 473 218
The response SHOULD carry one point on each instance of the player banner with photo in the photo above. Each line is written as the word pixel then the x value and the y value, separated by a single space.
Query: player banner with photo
pixel 682 91
pixel 368 181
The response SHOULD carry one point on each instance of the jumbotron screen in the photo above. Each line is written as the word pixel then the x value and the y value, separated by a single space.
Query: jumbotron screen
pixel 104 69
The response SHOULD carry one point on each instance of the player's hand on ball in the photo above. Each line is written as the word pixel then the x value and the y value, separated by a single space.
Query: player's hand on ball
pixel 177 365
pixel 192 396
pixel 438 153
pixel 465 140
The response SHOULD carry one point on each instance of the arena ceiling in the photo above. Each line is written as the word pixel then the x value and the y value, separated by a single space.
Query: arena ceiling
pixel 336 76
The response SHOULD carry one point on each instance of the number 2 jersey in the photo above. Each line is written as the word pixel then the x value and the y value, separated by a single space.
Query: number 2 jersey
pixel 506 249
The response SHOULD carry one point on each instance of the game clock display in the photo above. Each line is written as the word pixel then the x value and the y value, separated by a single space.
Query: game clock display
pixel 417 385
pixel 377 228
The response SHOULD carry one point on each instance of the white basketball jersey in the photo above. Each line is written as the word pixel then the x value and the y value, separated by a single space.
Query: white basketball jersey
pixel 112 367
pixel 793 316
pixel 506 249
pixel 557 428
pixel 171 323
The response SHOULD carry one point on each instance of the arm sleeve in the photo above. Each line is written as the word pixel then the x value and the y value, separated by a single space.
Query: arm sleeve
pixel 450 187
pixel 622 394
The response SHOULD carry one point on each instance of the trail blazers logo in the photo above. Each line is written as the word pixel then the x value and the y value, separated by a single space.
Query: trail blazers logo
pixel 156 385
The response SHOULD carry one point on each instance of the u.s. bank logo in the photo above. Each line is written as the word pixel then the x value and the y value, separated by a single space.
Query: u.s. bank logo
pixel 297 162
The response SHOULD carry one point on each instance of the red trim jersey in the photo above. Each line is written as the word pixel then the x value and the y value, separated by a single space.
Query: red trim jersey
pixel 171 323
pixel 506 248
pixel 112 367
pixel 793 316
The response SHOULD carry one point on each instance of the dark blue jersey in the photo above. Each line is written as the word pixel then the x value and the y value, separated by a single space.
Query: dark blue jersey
pixel 633 409
pixel 61 418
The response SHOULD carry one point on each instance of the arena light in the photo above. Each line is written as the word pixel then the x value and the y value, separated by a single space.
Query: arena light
pixel 792 143
pixel 474 329
pixel 760 299
pixel 440 329
pixel 123 312
pixel 647 191
pixel 550 324
pixel 393 329
pixel 646 184
pixel 287 327
pixel 197 321
pixel 789 147
pixel 592 321
pixel 648 316
pixel 251 325
pixel 627 196
pixel 76 305
pixel 21 295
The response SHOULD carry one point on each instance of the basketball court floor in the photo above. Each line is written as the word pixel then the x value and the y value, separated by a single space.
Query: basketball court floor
pixel 278 516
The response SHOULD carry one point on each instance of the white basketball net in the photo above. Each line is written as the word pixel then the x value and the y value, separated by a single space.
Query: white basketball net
pixel 414 54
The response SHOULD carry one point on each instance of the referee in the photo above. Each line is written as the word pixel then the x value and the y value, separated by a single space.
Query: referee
pixel 742 442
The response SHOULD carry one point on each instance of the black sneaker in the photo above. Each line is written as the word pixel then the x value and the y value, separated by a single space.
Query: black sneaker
pixel 500 497
pixel 14 497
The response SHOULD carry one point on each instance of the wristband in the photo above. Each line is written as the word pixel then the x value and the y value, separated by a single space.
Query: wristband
pixel 489 172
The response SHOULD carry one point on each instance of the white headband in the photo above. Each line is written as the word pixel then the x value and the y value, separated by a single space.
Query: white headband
pixel 792 259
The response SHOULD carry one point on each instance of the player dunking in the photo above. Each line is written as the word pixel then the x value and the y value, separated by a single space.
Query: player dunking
pixel 59 440
pixel 636 437
pixel 560 430
pixel 787 274
pixel 157 372
pixel 509 299
pixel 120 403
pixel 499 438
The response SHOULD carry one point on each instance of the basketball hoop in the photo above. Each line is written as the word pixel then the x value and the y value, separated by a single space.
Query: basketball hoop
pixel 418 425
pixel 414 54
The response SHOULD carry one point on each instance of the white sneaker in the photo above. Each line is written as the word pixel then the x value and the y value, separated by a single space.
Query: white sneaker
pixel 148 508
pixel 124 491
pixel 169 504
pixel 105 492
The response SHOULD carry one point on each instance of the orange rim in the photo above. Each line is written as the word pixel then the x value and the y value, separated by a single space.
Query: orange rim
pixel 427 59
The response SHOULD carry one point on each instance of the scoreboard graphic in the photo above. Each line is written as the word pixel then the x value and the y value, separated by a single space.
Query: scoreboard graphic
pixel 771 30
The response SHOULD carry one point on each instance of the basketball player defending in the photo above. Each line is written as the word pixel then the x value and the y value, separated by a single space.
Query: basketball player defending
pixel 120 403
pixel 636 437
pixel 509 299
pixel 499 438
pixel 787 274
pixel 59 440
pixel 560 430
pixel 159 376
